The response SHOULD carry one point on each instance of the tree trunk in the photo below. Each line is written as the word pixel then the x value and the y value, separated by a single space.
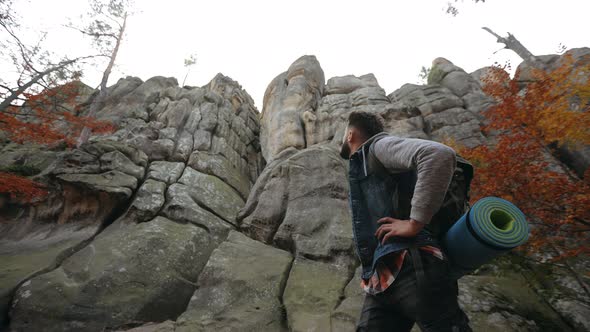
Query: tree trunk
pixel 98 102
pixel 513 44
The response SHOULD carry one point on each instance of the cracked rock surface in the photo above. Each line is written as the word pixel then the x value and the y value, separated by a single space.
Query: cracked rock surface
pixel 200 214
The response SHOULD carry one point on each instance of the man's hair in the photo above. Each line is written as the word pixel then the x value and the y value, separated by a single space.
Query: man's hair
pixel 369 124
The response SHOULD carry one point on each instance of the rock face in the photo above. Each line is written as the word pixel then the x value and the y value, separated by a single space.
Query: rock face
pixel 289 95
pixel 133 216
pixel 201 214
pixel 240 289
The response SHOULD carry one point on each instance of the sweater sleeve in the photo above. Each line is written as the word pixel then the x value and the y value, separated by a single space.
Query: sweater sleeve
pixel 434 163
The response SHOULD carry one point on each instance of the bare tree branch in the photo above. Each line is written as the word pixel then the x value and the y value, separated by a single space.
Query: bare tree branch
pixel 513 44
pixel 92 34
pixel 35 80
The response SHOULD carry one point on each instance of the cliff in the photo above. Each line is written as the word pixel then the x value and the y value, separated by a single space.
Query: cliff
pixel 200 213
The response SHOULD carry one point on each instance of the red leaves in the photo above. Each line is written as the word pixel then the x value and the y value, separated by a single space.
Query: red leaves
pixel 48 118
pixel 20 188
pixel 521 168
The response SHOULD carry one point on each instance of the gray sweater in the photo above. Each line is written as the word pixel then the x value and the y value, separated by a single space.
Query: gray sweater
pixel 434 162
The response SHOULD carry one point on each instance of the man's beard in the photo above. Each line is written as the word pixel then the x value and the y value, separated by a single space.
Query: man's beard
pixel 345 150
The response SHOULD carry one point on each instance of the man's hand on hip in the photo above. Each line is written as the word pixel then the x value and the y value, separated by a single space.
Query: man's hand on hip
pixel 391 227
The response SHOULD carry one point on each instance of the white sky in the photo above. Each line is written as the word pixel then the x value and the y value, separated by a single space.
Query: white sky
pixel 254 41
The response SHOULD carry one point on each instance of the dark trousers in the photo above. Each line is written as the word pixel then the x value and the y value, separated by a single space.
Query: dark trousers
pixel 429 300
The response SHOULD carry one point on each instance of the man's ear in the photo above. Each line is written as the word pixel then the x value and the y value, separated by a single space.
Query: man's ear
pixel 353 135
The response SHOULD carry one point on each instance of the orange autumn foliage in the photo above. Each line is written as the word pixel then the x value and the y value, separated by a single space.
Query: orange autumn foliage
pixel 520 167
pixel 20 188
pixel 47 118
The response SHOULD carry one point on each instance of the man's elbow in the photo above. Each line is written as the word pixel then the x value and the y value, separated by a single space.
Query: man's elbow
pixel 443 154
pixel 448 155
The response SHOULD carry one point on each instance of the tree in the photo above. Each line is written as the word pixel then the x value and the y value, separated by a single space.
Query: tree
pixel 520 166
pixel 513 44
pixel 36 68
pixel 188 63
pixel 423 75
pixel 107 28
pixel 40 105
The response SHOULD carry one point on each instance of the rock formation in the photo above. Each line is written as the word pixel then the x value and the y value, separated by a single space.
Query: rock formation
pixel 201 214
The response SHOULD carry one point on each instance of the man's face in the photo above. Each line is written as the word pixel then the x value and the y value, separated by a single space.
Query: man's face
pixel 345 147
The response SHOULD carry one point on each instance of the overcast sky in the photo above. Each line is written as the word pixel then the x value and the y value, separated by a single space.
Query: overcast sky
pixel 254 41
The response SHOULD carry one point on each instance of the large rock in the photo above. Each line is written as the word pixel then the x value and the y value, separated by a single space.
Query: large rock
pixel 148 201
pixel 506 303
pixel 300 204
pixel 134 272
pixel 287 97
pixel 342 96
pixel 40 249
pixel 240 289
pixel 312 294
pixel 347 314
pixel 213 194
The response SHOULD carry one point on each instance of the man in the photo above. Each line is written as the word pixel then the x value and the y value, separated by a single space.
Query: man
pixel 404 272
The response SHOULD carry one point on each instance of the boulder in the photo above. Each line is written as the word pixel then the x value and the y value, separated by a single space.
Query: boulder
pixel 287 97
pixel 301 205
pixel 165 171
pixel 239 289
pixel 347 314
pixel 131 272
pixel 312 293
pixel 213 194
pixel 148 201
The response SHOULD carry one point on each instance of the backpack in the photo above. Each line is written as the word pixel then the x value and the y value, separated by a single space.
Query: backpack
pixel 455 203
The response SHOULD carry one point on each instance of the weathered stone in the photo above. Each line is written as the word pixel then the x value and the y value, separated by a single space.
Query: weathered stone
pixel 565 288
pixel 116 160
pixel 312 293
pixel 101 147
pixel 239 289
pixel 40 249
pixel 349 83
pixel 460 83
pixel 467 133
pixel 506 304
pixel 184 147
pixel 450 117
pixel 441 67
pixel 148 201
pixel 76 161
pixel 30 158
pixel 309 213
pixel 412 127
pixel 428 99
pixel 345 317
pixel 165 171
pixel 132 99
pixel 135 272
pixel 219 166
pixel 161 149
pixel 213 194
pixel 167 326
pixel 113 182
pixel 181 206
pixel 287 97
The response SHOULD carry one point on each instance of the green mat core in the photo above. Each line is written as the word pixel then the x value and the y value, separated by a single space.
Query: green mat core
pixel 502 220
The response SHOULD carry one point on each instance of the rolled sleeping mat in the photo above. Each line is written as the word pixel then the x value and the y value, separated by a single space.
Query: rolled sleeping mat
pixel 492 227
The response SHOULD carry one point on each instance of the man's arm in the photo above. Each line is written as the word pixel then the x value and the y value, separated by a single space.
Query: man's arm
pixel 434 164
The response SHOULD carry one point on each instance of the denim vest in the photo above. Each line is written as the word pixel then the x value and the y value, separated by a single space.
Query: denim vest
pixel 374 195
